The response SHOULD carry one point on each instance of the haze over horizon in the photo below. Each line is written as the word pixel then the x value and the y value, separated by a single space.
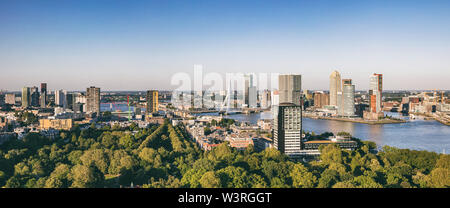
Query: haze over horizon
pixel 139 45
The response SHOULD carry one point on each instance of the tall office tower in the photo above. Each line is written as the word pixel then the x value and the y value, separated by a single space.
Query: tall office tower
pixel 335 87
pixel 26 97
pixel 252 97
pixel 152 101
pixel 64 103
pixel 347 106
pixel 266 99
pixel 10 99
pixel 375 92
pixel 250 92
pixel 321 99
pixel 290 88
pixel 34 96
pixel 70 101
pixel 43 97
pixel 287 128
pixel 59 98
pixel 246 90
pixel 93 100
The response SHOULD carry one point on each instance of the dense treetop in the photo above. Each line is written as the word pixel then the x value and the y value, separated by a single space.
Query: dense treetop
pixel 166 156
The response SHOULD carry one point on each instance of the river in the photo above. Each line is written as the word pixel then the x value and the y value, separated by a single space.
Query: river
pixel 416 134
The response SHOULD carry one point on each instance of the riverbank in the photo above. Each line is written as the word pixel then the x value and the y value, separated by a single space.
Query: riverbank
pixel 438 117
pixel 442 121
pixel 383 121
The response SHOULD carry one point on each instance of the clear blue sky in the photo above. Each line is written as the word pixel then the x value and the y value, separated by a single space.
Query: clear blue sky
pixel 138 45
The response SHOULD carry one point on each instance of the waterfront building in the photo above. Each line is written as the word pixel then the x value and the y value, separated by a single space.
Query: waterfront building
pixel 290 88
pixel 287 128
pixel 347 105
pixel 375 98
pixel 152 101
pixel 335 87
pixel 360 108
pixel 375 92
pixel 321 99
pixel 26 97
pixel 93 100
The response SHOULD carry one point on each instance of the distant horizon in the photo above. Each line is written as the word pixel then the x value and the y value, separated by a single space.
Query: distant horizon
pixel 121 45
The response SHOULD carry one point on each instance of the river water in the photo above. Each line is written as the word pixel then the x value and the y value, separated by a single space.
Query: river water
pixel 415 134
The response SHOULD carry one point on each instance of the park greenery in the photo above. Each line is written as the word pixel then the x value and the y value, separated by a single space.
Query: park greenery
pixel 164 156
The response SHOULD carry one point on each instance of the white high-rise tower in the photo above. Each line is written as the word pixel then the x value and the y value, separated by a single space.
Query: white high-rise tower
pixel 335 87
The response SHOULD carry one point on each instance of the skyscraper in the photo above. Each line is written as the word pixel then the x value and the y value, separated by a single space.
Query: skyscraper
pixel 93 100
pixel 252 97
pixel 375 92
pixel 249 94
pixel 43 97
pixel 287 128
pixel 335 87
pixel 26 97
pixel 290 88
pixel 287 122
pixel 246 90
pixel 347 105
pixel 59 98
pixel 70 101
pixel 34 96
pixel 152 101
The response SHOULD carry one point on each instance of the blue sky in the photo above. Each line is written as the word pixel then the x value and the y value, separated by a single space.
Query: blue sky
pixel 138 45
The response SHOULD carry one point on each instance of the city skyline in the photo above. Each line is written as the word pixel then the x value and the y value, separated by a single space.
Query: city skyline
pixel 126 46
pixel 254 95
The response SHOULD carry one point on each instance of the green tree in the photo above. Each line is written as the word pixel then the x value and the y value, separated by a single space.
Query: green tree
pixel 330 154
pixel 86 177
pixel 210 180
pixel 301 177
